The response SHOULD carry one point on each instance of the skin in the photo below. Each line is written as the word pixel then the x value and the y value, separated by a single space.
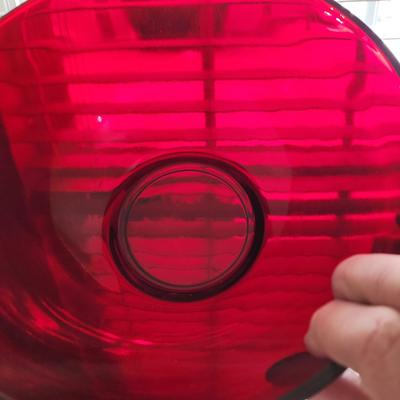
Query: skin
pixel 360 329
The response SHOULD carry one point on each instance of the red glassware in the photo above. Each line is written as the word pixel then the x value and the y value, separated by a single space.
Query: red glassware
pixel 178 181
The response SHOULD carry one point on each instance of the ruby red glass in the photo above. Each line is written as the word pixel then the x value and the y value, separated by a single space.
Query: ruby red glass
pixel 178 180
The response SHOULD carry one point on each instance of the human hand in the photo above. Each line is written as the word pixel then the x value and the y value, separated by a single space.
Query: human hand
pixel 360 329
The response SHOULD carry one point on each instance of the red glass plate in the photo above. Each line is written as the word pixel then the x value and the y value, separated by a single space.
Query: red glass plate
pixel 178 180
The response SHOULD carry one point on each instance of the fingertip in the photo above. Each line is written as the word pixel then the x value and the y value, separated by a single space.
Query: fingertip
pixel 325 322
pixel 342 275
pixel 368 279
pixel 312 344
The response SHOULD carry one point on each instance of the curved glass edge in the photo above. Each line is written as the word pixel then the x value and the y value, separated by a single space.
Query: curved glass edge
pixel 13 12
pixel 362 25
pixel 317 383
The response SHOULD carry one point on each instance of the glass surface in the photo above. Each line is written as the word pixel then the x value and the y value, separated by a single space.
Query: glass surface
pixel 296 110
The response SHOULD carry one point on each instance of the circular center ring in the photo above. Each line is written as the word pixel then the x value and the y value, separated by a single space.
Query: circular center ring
pixel 185 227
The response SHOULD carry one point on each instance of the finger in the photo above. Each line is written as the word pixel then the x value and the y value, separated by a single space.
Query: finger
pixel 348 387
pixel 352 334
pixel 370 279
